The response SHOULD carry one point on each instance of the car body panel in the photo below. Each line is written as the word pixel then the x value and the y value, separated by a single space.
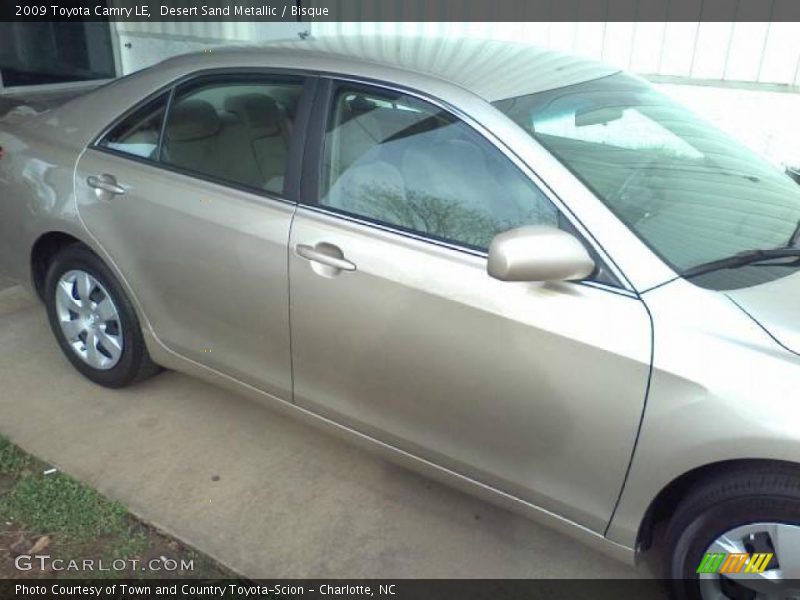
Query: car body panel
pixel 487 68
pixel 207 264
pixel 172 360
pixel 36 178
pixel 768 304
pixel 721 390
pixel 533 388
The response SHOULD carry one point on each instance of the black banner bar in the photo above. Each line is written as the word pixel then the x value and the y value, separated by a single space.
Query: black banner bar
pixel 340 589
pixel 400 10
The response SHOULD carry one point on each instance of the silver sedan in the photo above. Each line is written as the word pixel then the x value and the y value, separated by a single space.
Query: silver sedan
pixel 524 273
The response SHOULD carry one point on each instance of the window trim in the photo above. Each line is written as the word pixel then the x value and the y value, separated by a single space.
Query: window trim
pixel 129 113
pixel 308 82
pixel 313 165
pixel 162 134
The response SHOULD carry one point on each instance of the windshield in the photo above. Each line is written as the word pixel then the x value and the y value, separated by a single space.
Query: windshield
pixel 691 192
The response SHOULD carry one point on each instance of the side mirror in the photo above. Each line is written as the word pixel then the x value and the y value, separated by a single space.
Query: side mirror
pixel 538 253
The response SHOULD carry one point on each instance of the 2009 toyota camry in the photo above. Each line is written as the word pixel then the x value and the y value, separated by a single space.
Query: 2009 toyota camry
pixel 525 273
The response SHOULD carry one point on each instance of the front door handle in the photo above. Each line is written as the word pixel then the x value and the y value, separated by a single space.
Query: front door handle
pixel 325 254
pixel 105 183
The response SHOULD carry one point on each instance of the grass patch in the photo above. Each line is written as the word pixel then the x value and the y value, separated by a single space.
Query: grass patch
pixel 59 503
pixel 61 517
pixel 12 460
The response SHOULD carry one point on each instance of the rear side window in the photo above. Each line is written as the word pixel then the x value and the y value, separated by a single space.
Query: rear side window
pixel 238 131
pixel 138 134
pixel 394 159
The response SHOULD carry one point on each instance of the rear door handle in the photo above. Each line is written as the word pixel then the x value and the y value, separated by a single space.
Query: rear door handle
pixel 321 256
pixel 105 183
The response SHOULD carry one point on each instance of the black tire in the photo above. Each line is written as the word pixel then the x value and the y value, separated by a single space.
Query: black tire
pixel 134 363
pixel 739 495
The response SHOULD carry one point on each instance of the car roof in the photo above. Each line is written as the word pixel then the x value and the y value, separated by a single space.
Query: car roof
pixel 491 69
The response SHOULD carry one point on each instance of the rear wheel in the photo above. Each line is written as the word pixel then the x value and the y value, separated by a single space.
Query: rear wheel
pixel 93 320
pixel 737 536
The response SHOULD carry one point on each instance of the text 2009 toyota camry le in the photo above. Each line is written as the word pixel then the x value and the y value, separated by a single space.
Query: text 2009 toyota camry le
pixel 528 274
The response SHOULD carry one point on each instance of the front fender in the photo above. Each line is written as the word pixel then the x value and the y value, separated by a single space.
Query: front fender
pixel 721 390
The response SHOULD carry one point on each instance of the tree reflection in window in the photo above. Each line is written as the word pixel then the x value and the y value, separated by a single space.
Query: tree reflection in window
pixel 401 162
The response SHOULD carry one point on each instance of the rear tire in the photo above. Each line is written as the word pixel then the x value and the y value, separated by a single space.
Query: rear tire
pixel 94 321
pixel 745 507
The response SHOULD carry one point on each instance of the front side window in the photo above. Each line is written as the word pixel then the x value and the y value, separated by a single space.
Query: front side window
pixel 138 134
pixel 689 191
pixel 396 160
pixel 238 131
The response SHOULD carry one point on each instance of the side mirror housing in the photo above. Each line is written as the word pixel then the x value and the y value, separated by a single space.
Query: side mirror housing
pixel 538 253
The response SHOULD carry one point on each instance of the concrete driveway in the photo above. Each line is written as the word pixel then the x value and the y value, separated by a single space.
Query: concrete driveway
pixel 5 282
pixel 290 501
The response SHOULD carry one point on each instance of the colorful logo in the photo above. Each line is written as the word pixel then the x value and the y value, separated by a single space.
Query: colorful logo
pixel 722 562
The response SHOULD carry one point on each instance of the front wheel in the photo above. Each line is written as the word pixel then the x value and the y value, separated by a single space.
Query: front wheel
pixel 93 320
pixel 737 536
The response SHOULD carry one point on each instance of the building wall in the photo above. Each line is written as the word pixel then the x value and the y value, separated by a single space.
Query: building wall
pixel 141 44
pixel 766 53
pixel 767 121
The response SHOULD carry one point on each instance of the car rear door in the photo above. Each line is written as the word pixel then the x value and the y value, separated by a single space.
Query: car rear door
pixel 194 211
pixel 535 389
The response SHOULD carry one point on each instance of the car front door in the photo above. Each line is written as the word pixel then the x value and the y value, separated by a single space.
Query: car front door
pixel 195 212
pixel 535 389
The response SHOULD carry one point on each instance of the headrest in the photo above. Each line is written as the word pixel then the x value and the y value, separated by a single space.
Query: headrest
pixel 192 120
pixel 288 97
pixel 258 111
pixel 359 105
